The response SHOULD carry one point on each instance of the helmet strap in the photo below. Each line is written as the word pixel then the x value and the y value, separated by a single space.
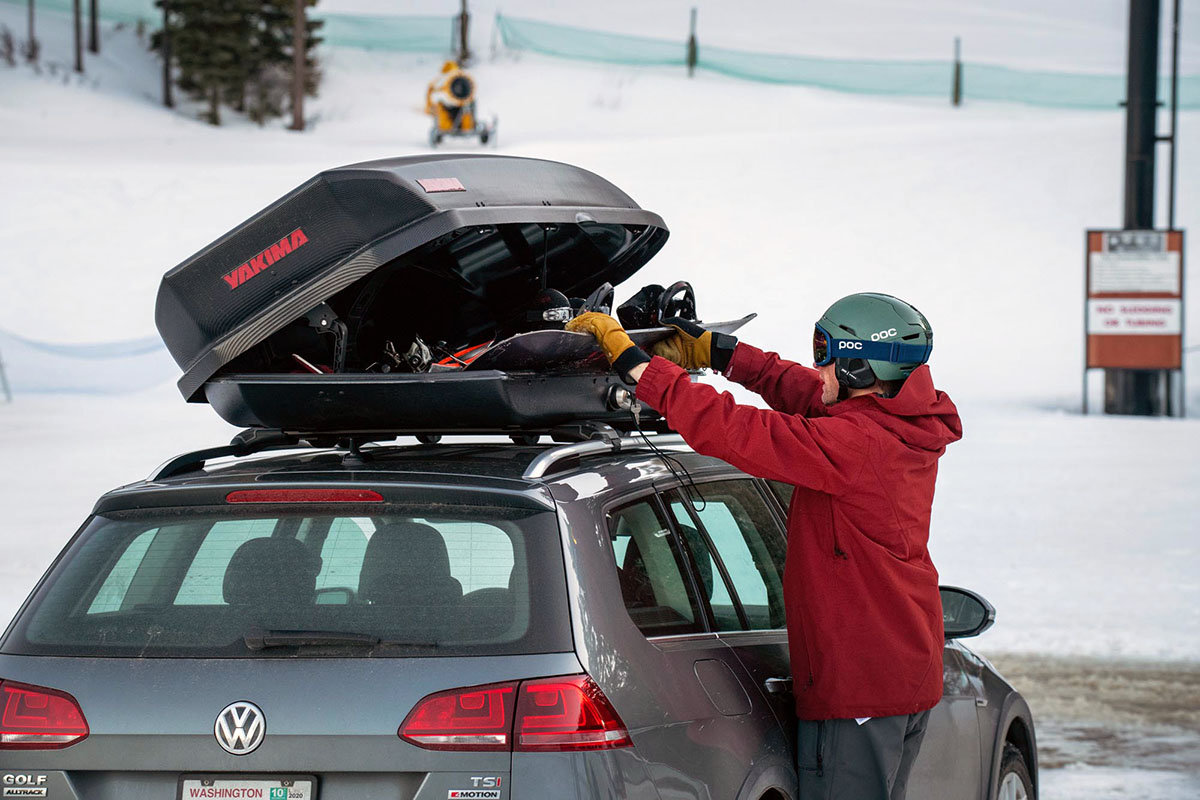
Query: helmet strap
pixel 854 373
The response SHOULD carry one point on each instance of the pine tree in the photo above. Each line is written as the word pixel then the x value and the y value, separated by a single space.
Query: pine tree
pixel 237 53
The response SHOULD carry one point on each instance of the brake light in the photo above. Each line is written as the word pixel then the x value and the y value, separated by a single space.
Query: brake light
pixel 555 714
pixel 36 718
pixel 477 718
pixel 568 713
pixel 304 496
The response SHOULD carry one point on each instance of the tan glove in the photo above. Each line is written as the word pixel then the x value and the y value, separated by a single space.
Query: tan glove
pixel 692 347
pixel 618 348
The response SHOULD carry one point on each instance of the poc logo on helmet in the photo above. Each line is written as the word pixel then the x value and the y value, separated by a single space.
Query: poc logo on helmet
pixel 849 345
pixel 881 335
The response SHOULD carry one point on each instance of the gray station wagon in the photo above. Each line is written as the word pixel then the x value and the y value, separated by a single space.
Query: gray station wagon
pixel 565 610
pixel 453 620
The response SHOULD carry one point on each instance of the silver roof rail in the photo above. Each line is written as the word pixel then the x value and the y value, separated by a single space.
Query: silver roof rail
pixel 541 466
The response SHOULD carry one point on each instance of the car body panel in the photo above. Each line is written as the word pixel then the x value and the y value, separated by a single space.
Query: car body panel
pixel 700 719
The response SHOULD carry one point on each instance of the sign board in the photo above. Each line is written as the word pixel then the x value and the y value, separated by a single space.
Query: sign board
pixel 1134 312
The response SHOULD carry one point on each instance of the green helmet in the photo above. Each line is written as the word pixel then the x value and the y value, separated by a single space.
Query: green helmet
pixel 872 336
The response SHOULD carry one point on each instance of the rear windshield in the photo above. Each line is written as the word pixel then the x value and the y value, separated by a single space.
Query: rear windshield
pixel 475 581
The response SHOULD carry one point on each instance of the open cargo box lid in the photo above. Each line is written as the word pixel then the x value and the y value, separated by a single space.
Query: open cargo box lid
pixel 451 246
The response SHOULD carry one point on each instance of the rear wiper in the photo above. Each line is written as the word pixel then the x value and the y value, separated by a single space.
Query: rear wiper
pixel 258 639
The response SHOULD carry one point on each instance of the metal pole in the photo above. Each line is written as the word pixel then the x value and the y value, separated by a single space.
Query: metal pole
pixel 4 383
pixel 1174 113
pixel 94 27
pixel 1139 391
pixel 78 36
pixel 693 48
pixel 956 97
pixel 32 38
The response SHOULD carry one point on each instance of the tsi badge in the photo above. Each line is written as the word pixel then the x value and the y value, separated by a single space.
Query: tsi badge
pixel 20 784
pixel 484 788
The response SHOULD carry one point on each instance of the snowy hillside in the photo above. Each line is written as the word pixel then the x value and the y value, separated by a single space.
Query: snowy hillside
pixel 780 199
pixel 1081 531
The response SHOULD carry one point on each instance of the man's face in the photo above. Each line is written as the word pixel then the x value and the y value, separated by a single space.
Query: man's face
pixel 829 384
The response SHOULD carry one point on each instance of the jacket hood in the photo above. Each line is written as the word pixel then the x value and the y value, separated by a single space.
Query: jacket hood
pixel 920 415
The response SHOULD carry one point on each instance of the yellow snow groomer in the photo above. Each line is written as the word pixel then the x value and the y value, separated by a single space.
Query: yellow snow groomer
pixel 450 100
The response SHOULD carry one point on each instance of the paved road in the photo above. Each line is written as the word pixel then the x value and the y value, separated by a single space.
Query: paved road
pixel 1112 729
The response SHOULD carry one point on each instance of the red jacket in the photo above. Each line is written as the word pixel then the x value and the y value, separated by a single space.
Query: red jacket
pixel 863 609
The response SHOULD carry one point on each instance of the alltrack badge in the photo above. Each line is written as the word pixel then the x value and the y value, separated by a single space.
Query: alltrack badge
pixel 240 728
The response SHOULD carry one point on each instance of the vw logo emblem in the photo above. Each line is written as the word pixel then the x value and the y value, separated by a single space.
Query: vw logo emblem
pixel 240 728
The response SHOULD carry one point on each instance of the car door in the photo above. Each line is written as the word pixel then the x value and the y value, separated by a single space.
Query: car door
pixel 949 762
pixel 678 687
pixel 737 549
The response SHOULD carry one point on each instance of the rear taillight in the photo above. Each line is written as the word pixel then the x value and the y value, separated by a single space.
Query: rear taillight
pixel 555 714
pixel 35 718
pixel 304 496
pixel 567 714
pixel 478 718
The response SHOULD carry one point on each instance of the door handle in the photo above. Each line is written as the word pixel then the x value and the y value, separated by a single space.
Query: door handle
pixel 778 685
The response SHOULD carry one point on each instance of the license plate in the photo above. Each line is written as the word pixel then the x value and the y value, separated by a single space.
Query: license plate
pixel 247 787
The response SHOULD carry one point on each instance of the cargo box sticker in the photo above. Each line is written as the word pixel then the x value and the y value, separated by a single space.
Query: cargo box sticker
pixel 268 257
pixel 23 784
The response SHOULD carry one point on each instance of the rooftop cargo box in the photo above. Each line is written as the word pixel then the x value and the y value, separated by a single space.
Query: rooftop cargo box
pixel 299 318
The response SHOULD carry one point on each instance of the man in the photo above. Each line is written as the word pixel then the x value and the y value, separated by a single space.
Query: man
pixel 859 437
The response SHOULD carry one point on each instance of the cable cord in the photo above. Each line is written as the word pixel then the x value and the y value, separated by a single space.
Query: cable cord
pixel 673 465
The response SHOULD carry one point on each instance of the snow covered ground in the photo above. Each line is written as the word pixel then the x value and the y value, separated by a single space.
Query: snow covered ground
pixel 1082 531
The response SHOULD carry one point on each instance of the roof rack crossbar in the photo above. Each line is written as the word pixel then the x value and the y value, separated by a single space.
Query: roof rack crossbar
pixel 249 441
pixel 545 462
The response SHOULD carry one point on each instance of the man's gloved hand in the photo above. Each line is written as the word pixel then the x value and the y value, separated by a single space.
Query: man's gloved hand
pixel 692 347
pixel 618 348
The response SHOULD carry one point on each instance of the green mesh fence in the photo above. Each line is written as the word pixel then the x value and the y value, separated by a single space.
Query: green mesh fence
pixel 409 34
pixel 898 78
pixel 579 43
pixel 393 34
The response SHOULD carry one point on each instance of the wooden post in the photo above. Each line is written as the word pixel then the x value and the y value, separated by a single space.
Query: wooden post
pixel 464 50
pixel 956 93
pixel 299 38
pixel 32 37
pixel 78 36
pixel 94 27
pixel 693 50
pixel 168 97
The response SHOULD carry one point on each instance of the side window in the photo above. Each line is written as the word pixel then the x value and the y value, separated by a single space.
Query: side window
pixel 712 582
pixel 204 582
pixel 653 583
pixel 748 544
pixel 112 592
pixel 342 552
pixel 783 493
pixel 481 555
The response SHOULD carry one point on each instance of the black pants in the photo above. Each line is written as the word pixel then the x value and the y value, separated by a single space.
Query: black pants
pixel 839 759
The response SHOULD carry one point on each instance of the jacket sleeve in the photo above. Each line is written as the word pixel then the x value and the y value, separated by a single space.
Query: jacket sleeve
pixel 785 385
pixel 824 453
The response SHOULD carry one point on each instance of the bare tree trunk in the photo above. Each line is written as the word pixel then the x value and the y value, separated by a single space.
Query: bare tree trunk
pixel 168 98
pixel 32 53
pixel 464 21
pixel 299 40
pixel 94 27
pixel 214 106
pixel 78 36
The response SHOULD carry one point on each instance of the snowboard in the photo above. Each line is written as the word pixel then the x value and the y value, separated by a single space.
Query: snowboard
pixel 568 351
